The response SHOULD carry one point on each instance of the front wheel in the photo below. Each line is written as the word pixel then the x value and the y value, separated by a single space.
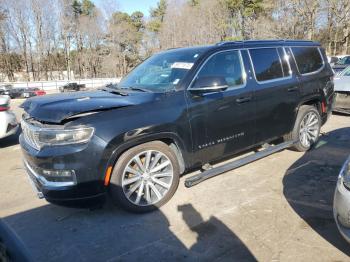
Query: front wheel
pixel 145 177
pixel 306 128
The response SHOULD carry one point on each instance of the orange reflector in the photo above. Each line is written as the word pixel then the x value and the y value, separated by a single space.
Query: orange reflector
pixel 108 175
pixel 323 107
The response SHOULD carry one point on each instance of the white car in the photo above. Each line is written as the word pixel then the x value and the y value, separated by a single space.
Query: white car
pixel 342 92
pixel 341 205
pixel 8 122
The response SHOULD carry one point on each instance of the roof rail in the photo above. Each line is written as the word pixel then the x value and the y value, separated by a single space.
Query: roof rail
pixel 263 41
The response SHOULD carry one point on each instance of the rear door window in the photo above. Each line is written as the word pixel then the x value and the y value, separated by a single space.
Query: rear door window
pixel 267 64
pixel 308 59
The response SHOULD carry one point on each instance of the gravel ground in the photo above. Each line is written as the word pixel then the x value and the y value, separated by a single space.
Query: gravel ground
pixel 275 209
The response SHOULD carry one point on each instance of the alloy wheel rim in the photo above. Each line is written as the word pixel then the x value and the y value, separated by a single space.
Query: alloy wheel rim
pixel 147 178
pixel 309 128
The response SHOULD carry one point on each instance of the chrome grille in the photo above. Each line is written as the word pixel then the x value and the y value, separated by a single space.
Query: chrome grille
pixel 30 134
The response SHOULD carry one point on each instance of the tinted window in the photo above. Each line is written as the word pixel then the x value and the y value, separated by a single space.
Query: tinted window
pixel 266 62
pixel 308 59
pixel 224 64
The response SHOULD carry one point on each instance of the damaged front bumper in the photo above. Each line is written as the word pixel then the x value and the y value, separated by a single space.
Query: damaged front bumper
pixel 66 175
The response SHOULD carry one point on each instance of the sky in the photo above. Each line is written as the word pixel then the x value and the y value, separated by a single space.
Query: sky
pixel 130 6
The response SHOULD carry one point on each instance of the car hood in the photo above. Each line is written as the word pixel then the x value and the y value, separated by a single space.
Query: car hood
pixel 56 108
pixel 342 83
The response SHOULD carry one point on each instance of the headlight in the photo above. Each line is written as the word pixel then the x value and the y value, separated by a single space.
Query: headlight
pixel 64 136
pixel 345 173
pixel 39 137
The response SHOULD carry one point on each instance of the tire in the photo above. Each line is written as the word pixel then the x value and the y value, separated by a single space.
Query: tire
pixel 126 194
pixel 313 131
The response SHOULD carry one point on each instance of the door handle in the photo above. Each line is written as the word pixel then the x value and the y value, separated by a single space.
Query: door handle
pixel 243 99
pixel 292 89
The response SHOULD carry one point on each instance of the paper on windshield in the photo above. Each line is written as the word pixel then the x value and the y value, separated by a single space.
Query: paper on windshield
pixel 182 65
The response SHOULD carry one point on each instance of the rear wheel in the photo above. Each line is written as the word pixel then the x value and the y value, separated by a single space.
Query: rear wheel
pixel 306 128
pixel 145 177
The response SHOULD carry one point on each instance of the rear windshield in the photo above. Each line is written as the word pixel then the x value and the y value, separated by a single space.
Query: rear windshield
pixel 308 59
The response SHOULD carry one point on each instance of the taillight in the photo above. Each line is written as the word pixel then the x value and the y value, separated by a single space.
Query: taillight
pixel 4 108
pixel 323 107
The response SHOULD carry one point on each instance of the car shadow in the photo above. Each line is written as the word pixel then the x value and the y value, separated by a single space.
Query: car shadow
pixel 309 184
pixel 10 140
pixel 344 113
pixel 53 233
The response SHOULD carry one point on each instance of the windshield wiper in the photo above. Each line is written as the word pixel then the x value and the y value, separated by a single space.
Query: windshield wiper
pixel 138 89
pixel 114 91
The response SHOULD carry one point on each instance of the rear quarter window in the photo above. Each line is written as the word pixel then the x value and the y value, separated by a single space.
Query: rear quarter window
pixel 308 59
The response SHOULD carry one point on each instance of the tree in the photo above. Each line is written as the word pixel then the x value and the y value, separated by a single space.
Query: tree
pixel 10 62
pixel 241 11
pixel 124 39
pixel 338 14
pixel 76 5
pixel 157 16
pixel 137 20
pixel 193 2
pixel 87 8
pixel 41 39
pixel 20 30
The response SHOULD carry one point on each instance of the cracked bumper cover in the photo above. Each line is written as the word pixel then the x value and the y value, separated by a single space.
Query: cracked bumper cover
pixel 88 183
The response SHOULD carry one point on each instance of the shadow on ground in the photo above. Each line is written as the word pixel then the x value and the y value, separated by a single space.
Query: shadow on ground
pixel 309 185
pixel 53 233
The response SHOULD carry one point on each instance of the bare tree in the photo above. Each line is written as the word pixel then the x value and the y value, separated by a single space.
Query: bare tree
pixel 75 38
pixel 19 27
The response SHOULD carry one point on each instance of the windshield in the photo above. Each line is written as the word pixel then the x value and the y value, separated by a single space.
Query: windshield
pixel 345 72
pixel 163 71
pixel 344 61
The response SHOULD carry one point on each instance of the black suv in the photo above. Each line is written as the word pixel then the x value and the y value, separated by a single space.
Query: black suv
pixel 176 112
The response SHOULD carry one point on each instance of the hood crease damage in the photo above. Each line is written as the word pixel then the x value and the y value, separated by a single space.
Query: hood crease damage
pixel 59 107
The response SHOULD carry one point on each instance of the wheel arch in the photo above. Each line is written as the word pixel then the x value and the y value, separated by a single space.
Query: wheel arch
pixel 314 101
pixel 171 139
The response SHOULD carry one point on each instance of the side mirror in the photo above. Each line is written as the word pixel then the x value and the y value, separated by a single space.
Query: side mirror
pixel 209 84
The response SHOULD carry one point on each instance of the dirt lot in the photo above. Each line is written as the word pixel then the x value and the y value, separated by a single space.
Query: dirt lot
pixel 276 209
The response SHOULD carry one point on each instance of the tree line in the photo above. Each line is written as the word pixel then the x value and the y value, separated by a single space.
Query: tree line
pixel 51 39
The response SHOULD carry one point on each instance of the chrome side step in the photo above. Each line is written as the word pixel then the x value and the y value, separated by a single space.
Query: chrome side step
pixel 196 179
